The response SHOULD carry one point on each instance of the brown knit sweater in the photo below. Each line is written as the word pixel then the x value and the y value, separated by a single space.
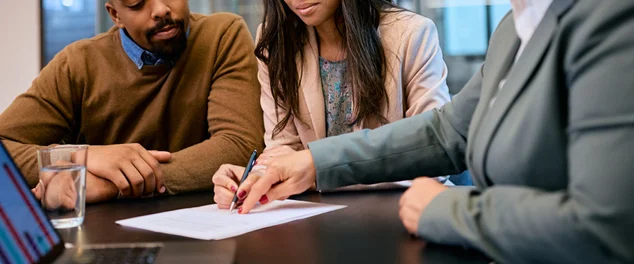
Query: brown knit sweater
pixel 205 109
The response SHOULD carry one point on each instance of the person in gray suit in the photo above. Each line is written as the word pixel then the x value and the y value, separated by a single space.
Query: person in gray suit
pixel 548 136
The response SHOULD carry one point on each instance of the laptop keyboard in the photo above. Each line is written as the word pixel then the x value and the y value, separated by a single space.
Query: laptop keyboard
pixel 145 255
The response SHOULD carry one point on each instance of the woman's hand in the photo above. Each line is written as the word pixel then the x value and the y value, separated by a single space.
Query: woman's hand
pixel 284 176
pixel 264 158
pixel 416 199
pixel 226 181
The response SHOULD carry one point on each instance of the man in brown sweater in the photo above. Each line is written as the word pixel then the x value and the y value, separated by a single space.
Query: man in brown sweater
pixel 164 99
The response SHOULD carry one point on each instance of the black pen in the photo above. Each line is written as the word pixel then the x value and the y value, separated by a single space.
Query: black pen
pixel 247 170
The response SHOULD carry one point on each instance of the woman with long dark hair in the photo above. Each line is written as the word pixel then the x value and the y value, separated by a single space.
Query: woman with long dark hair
pixel 329 67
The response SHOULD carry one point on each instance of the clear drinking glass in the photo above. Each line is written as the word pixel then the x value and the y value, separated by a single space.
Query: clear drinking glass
pixel 63 184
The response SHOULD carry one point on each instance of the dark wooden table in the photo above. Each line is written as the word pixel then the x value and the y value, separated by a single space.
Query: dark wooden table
pixel 367 231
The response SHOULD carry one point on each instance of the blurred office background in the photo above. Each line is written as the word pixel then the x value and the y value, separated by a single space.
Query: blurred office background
pixel 464 28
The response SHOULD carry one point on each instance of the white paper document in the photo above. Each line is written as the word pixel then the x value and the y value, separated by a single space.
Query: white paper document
pixel 208 222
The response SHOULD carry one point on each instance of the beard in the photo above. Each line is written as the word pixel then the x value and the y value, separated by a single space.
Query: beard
pixel 169 49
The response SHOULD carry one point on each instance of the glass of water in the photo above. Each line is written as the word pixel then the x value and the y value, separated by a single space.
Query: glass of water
pixel 63 184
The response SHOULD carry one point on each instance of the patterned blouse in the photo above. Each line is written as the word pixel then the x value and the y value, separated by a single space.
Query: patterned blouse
pixel 337 97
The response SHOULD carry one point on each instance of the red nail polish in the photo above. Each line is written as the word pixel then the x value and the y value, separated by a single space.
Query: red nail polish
pixel 242 194
pixel 240 210
pixel 233 189
pixel 255 162
pixel 264 199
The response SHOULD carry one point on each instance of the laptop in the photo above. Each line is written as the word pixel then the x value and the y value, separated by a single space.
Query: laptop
pixel 27 235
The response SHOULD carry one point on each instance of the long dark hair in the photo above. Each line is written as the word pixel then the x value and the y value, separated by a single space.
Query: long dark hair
pixel 284 36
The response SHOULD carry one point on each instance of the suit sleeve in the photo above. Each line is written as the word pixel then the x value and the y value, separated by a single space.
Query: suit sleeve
pixel 236 130
pixel 590 221
pixel 432 143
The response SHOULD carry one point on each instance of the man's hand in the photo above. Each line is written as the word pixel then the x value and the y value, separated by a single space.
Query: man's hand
pixel 416 199
pixel 133 169
pixel 99 190
pixel 60 195
pixel 59 190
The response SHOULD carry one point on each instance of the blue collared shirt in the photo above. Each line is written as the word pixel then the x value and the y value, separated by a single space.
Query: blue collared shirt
pixel 138 55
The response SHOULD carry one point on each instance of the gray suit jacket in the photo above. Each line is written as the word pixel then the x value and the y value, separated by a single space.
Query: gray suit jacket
pixel 551 155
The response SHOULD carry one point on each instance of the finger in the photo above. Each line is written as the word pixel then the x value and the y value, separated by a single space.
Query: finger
pixel 411 221
pixel 263 160
pixel 278 192
pixel 147 173
pixel 412 214
pixel 403 198
pixel 37 191
pixel 161 156
pixel 122 183
pixel 245 187
pixel 46 176
pixel 403 215
pixel 223 206
pixel 226 177
pixel 223 196
pixel 232 171
pixel 260 187
pixel 152 159
pixel 134 178
pixel 258 167
pixel 69 199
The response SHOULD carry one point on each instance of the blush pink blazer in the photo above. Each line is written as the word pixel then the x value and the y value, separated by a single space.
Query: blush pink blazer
pixel 416 80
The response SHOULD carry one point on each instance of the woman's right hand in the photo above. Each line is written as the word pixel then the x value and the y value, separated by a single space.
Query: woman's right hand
pixel 226 181
pixel 286 175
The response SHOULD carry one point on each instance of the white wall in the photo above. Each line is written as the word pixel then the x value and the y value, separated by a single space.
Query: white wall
pixel 19 47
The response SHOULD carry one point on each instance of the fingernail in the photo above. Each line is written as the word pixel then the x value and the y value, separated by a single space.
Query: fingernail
pixel 162 190
pixel 240 210
pixel 233 189
pixel 242 194
pixel 264 199
pixel 255 162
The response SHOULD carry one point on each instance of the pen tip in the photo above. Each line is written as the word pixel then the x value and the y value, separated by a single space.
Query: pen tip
pixel 231 208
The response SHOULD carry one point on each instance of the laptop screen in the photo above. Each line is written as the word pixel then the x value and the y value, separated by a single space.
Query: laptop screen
pixel 26 235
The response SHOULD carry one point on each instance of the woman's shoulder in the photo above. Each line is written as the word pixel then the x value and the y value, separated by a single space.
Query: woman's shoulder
pixel 404 21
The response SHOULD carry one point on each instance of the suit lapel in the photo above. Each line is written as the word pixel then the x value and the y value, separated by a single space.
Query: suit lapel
pixel 310 87
pixel 517 78
pixel 499 60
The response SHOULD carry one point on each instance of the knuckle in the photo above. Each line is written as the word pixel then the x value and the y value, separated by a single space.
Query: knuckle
pixel 148 173
pixel 126 153
pixel 274 193
pixel 137 182
pixel 119 159
pixel 125 189
pixel 154 163
pixel 217 179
